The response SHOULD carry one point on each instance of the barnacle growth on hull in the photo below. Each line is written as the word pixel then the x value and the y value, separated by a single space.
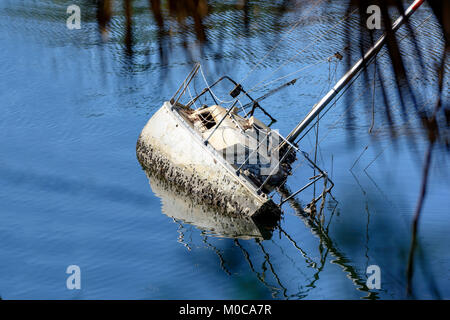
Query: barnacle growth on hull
pixel 213 153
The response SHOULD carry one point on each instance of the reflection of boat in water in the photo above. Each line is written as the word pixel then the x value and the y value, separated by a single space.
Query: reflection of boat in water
pixel 199 184
pixel 180 205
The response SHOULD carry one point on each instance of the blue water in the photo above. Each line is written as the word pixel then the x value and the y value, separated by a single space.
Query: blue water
pixel 73 193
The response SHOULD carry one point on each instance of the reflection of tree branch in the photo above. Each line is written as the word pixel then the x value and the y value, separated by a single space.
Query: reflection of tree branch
pixel 128 8
pixel 423 190
pixel 367 233
pixel 431 126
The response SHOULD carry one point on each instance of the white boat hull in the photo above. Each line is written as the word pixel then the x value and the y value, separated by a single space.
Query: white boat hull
pixel 170 147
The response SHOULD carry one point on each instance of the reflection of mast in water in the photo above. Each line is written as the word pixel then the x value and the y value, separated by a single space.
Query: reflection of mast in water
pixel 276 289
pixel 267 259
pixel 318 230
pixel 217 251
pixel 183 208
pixel 258 275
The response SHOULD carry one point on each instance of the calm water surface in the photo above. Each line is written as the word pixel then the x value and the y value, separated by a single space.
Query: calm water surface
pixel 72 191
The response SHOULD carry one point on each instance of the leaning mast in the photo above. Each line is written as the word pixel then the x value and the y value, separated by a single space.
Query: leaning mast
pixel 349 75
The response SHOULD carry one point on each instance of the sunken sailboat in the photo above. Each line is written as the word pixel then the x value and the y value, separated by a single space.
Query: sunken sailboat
pixel 226 157
pixel 222 157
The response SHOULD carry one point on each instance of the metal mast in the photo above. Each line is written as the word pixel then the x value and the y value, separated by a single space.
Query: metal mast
pixel 318 107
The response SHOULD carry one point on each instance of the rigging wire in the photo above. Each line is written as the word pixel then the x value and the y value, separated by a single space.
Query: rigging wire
pixel 261 84
pixel 210 90
pixel 360 95
pixel 301 69
pixel 290 74
pixel 192 99
pixel 278 43
pixel 304 49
